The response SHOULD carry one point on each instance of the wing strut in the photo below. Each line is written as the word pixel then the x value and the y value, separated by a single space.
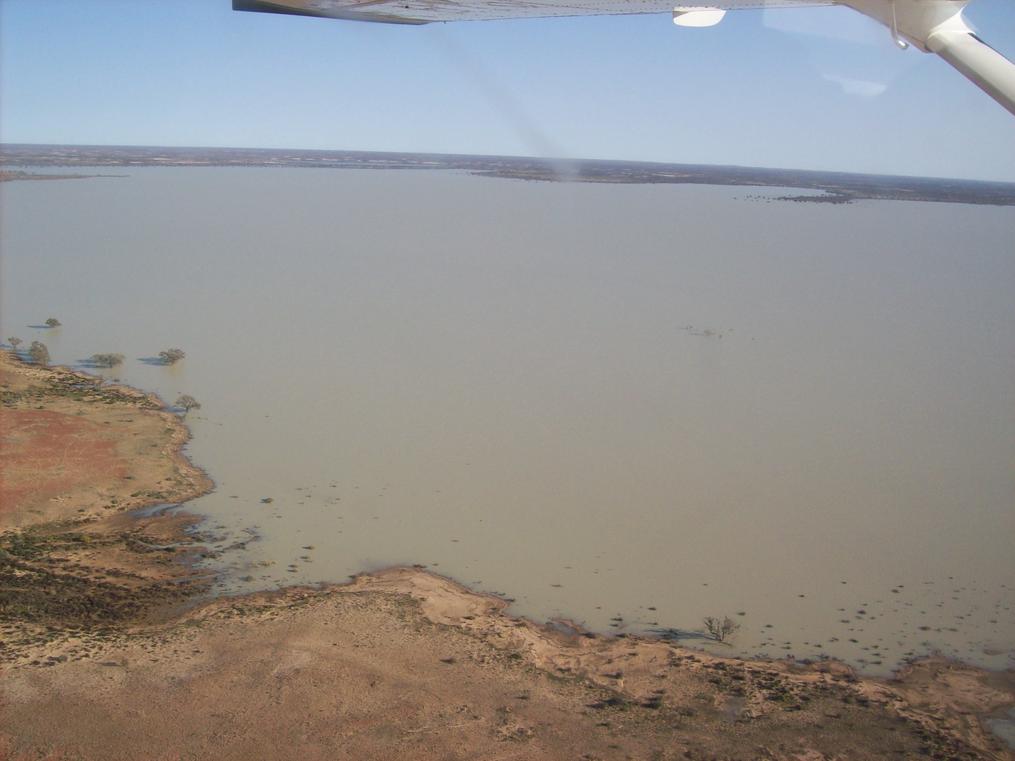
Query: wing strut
pixel 979 62
pixel 937 26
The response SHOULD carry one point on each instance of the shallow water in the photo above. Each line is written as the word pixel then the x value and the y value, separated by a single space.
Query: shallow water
pixel 1004 727
pixel 652 403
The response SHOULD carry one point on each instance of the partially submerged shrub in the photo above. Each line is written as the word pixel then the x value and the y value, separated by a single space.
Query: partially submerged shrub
pixel 52 322
pixel 14 342
pixel 718 630
pixel 170 356
pixel 38 353
pixel 187 403
pixel 106 360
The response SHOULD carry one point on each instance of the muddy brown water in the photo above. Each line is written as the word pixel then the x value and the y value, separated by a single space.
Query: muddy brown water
pixel 630 406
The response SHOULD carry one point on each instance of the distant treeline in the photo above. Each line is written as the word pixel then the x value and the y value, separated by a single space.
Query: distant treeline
pixel 846 186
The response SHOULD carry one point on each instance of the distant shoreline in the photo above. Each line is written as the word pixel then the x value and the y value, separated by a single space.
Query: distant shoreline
pixel 835 187
pixel 14 176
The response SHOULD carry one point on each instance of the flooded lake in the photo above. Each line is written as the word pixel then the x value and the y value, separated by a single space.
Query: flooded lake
pixel 630 406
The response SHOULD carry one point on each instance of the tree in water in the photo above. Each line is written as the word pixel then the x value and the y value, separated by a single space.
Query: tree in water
pixel 720 630
pixel 15 342
pixel 52 322
pixel 187 403
pixel 171 356
pixel 106 360
pixel 38 353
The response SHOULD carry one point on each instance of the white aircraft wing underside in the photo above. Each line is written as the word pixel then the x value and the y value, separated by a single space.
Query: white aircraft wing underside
pixel 934 26
pixel 427 11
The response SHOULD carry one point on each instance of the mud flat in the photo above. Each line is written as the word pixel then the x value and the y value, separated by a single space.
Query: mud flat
pixel 111 650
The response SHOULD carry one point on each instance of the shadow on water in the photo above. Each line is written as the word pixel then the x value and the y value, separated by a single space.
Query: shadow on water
pixel 154 361
pixel 88 364
pixel 1004 727
pixel 152 510
pixel 91 364
pixel 41 327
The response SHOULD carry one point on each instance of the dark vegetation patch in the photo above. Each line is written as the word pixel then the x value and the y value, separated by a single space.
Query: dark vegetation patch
pixel 42 581
pixel 74 387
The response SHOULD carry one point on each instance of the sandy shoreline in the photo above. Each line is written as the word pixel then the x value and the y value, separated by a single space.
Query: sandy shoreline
pixel 98 627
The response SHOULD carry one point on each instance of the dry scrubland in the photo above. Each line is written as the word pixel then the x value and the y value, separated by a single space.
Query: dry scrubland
pixel 110 649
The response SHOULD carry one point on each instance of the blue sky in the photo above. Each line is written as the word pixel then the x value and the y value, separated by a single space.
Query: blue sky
pixel 818 88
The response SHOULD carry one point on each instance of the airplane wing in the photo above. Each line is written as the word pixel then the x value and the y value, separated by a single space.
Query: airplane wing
pixel 933 26
pixel 427 11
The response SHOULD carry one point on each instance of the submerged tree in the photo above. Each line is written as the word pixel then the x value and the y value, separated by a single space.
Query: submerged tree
pixel 52 322
pixel 171 356
pixel 106 360
pixel 15 342
pixel 38 353
pixel 720 630
pixel 187 403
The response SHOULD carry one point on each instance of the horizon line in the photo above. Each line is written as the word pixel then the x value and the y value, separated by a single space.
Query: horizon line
pixel 576 160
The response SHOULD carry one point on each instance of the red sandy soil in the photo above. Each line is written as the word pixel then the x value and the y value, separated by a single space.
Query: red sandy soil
pixel 46 454
pixel 73 448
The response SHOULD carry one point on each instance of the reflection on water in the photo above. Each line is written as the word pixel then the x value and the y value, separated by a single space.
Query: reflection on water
pixel 629 405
